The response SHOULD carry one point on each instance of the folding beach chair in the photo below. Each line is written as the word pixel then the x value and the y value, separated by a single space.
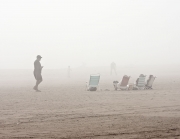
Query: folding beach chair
pixel 93 83
pixel 141 81
pixel 124 83
pixel 150 82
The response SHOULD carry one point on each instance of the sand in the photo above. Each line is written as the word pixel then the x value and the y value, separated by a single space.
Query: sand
pixel 65 110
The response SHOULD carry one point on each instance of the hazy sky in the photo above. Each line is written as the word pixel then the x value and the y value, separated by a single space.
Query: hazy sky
pixel 97 32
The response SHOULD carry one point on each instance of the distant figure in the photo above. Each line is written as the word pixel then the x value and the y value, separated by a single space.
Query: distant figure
pixel 37 72
pixel 113 68
pixel 69 70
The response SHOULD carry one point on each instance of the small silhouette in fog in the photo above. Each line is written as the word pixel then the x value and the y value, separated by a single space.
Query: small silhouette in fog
pixel 113 68
pixel 69 71
pixel 37 72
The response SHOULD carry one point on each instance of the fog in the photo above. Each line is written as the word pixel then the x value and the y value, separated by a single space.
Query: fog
pixel 94 32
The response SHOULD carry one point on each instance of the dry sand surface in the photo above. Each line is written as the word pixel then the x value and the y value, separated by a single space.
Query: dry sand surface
pixel 64 110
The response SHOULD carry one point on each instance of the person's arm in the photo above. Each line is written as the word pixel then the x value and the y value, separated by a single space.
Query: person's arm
pixel 41 67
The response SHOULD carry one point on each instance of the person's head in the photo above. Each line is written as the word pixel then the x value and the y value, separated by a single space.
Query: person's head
pixel 39 58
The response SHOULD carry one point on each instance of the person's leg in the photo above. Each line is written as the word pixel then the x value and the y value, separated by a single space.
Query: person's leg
pixel 35 87
pixel 37 84
pixel 38 81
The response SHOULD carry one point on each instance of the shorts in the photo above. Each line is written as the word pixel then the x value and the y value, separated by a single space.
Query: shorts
pixel 38 76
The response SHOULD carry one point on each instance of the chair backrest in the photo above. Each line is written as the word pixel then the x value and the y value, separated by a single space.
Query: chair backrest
pixel 141 81
pixel 125 80
pixel 94 80
pixel 150 82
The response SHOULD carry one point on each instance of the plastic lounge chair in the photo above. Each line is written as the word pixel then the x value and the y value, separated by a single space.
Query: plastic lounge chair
pixel 93 83
pixel 124 83
pixel 141 82
pixel 150 82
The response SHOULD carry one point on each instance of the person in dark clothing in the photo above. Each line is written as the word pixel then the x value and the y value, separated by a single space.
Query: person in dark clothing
pixel 37 72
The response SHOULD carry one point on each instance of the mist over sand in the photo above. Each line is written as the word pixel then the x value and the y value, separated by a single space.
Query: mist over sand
pixel 140 36
pixel 164 73
pixel 64 109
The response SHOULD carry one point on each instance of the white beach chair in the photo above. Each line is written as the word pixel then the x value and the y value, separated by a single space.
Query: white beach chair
pixel 150 82
pixel 123 85
pixel 141 82
pixel 93 83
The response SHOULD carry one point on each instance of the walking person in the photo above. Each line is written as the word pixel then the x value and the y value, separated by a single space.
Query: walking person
pixel 37 72
pixel 113 68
